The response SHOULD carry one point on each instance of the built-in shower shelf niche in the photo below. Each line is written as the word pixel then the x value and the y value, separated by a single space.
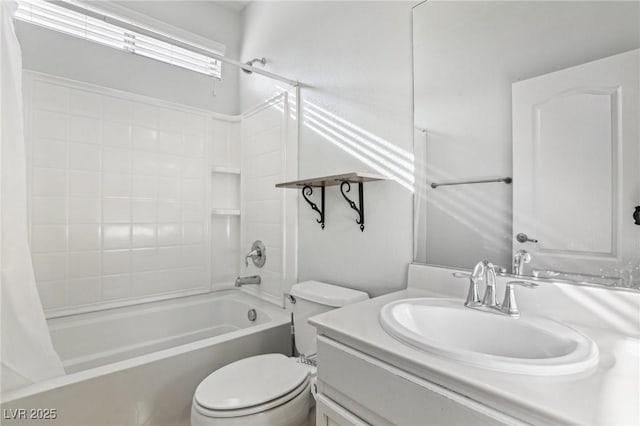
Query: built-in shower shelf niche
pixel 225 212
pixel 344 181
pixel 225 170
pixel 225 175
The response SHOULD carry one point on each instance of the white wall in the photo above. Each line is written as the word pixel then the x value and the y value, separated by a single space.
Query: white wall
pixel 66 56
pixel 354 59
pixel 467 55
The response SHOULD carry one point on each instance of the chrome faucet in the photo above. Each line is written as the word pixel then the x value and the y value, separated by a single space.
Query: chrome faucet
pixel 258 254
pixel 252 279
pixel 485 271
pixel 519 260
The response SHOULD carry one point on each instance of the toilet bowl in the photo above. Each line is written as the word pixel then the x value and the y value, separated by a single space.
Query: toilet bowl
pixel 272 389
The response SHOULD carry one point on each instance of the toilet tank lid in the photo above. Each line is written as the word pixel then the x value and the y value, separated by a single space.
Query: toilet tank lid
pixel 327 294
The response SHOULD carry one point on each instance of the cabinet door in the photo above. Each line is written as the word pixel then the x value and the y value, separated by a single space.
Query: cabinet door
pixel 328 413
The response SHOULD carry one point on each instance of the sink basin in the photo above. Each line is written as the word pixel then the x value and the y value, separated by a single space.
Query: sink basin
pixel 527 345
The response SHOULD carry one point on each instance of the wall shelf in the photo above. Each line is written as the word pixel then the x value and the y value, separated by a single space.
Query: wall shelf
pixel 344 181
pixel 225 169
pixel 225 212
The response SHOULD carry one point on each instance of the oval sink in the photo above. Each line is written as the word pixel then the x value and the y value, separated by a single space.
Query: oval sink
pixel 527 345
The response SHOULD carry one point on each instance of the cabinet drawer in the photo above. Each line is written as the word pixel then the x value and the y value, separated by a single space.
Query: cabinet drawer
pixel 329 413
pixel 356 380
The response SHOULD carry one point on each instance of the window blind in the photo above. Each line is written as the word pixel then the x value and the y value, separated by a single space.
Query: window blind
pixel 58 18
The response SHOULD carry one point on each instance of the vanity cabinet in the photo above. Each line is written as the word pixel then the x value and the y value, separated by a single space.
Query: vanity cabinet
pixel 357 389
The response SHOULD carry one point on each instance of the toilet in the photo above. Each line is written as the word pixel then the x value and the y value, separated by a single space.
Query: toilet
pixel 272 389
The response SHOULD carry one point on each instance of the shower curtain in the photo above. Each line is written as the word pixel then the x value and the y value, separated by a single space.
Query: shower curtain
pixel 27 354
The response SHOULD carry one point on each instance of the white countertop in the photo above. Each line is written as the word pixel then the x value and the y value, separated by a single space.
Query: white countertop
pixel 608 394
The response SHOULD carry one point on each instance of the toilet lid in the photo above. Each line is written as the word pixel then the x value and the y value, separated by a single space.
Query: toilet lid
pixel 249 382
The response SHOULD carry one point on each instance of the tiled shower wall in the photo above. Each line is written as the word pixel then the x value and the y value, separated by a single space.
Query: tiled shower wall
pixel 118 195
pixel 270 214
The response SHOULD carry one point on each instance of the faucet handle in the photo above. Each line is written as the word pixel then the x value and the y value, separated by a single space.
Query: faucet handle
pixel 509 305
pixel 473 297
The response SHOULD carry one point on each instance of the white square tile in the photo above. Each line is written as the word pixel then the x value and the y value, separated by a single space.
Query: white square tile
pixel 192 190
pixel 193 168
pixel 53 294
pixel 168 211
pixel 193 146
pixel 50 153
pixel 116 262
pixel 117 109
pixel 82 102
pixel 84 264
pixel 84 157
pixel 144 163
pixel 144 211
pixel 50 96
pixel 84 129
pixel 116 286
pixel 50 267
pixel 116 210
pixel 84 184
pixel 169 257
pixel 169 165
pixel 169 188
pixel 116 236
pixel 144 283
pixel 116 185
pixel 170 143
pixel 195 277
pixel 50 125
pixel 193 255
pixel 144 235
pixel 84 210
pixel 192 233
pixel 144 139
pixel 145 115
pixel 192 212
pixel 116 134
pixel 116 160
pixel 170 119
pixel 169 234
pixel 144 259
pixel 48 238
pixel 144 187
pixel 49 182
pixel 48 210
pixel 84 237
pixel 85 290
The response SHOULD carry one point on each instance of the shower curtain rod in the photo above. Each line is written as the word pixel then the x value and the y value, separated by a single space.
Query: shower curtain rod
pixel 78 7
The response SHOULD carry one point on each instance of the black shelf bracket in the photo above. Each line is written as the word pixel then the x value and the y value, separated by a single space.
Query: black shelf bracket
pixel 307 190
pixel 345 187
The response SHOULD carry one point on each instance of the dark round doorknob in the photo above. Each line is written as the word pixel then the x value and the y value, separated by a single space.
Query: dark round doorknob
pixel 636 215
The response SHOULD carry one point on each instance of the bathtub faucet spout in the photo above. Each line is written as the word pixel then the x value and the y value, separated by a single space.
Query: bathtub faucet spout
pixel 253 279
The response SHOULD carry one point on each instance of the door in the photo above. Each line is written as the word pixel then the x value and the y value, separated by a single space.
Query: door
pixel 576 167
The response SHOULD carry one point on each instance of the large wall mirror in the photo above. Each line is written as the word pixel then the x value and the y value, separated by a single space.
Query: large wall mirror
pixel 526 117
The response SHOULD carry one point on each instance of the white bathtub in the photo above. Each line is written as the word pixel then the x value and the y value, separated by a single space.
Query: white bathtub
pixel 140 365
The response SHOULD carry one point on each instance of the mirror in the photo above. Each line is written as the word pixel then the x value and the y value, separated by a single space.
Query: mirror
pixel 526 137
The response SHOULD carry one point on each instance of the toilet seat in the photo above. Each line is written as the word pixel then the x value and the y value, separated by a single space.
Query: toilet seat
pixel 251 385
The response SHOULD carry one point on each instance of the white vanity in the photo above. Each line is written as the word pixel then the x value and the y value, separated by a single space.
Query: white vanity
pixel 366 376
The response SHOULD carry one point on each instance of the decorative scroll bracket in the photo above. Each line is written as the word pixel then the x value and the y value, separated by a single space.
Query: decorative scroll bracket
pixel 359 210
pixel 307 190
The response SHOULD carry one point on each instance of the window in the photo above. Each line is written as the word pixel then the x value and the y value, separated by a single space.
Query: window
pixel 59 18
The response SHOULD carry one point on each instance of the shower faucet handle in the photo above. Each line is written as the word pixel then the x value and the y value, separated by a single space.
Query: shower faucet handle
pixel 258 254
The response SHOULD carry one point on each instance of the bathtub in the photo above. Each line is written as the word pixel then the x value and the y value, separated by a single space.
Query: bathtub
pixel 139 365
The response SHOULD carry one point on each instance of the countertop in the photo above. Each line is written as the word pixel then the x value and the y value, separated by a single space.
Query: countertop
pixel 608 394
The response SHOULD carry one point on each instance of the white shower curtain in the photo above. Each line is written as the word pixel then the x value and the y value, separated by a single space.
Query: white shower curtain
pixel 27 354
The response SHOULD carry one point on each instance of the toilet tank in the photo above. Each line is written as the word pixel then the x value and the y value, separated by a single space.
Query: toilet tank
pixel 313 298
